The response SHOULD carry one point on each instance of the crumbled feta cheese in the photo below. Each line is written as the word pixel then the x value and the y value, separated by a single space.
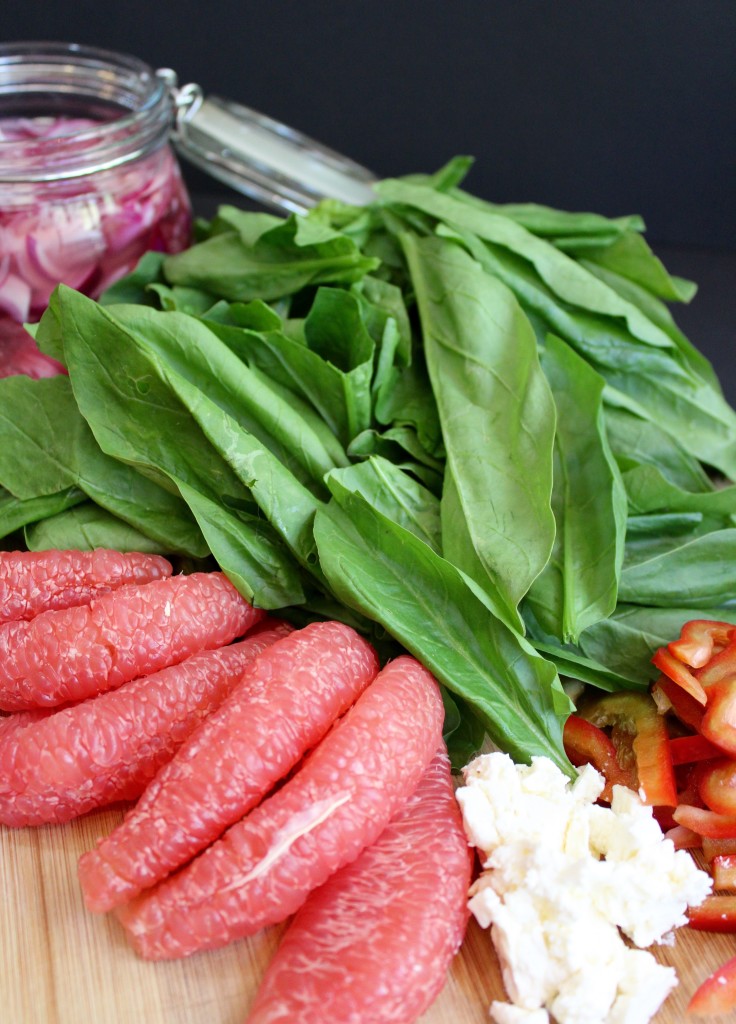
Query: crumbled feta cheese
pixel 562 879
pixel 507 1013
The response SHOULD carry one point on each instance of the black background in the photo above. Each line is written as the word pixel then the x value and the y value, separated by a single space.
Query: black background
pixel 617 106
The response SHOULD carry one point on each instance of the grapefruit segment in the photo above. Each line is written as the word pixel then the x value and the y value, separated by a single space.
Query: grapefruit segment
pixel 39 581
pixel 284 704
pixel 74 653
pixel 337 803
pixel 58 764
pixel 374 943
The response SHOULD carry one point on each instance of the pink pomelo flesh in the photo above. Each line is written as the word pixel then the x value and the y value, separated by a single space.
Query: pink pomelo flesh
pixel 373 944
pixel 283 705
pixel 337 803
pixel 56 765
pixel 37 581
pixel 74 653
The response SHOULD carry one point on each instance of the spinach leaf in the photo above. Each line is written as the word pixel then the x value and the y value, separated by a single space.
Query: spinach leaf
pixel 400 445
pixel 497 418
pixel 575 665
pixel 649 490
pixel 270 263
pixel 425 603
pixel 630 257
pixel 626 641
pixel 580 583
pixel 659 314
pixel 190 348
pixel 700 573
pixel 405 399
pixel 635 440
pixel 395 494
pixel 46 446
pixel 247 551
pixel 331 368
pixel 570 282
pixel 18 512
pixel 134 287
pixel 137 418
pixel 85 527
pixel 658 384
pixel 336 334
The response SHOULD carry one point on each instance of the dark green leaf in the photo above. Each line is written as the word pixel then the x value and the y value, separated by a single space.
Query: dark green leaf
pixel 84 528
pixel 580 583
pixel 497 418
pixel 18 512
pixel 386 573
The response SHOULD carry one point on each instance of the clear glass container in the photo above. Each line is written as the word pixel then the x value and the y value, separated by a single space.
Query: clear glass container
pixel 88 179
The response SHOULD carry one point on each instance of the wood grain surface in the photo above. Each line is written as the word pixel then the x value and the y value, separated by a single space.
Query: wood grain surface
pixel 62 965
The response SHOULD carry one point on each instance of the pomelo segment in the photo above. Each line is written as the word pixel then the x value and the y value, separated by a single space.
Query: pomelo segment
pixel 58 764
pixel 337 803
pixel 39 581
pixel 283 705
pixel 373 944
pixel 67 655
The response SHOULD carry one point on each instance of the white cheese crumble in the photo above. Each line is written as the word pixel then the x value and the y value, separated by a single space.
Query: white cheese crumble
pixel 563 880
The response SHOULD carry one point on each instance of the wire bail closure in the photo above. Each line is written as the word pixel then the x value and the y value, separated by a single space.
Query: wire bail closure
pixel 259 157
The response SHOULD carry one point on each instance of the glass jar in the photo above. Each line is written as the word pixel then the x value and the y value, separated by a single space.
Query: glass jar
pixel 88 180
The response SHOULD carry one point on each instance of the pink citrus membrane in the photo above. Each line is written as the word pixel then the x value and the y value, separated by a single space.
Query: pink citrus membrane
pixel 39 581
pixel 74 653
pixel 58 764
pixel 337 803
pixel 283 705
pixel 373 944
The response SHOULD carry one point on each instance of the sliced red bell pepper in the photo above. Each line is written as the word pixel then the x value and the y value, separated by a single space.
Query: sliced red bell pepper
pixel 715 914
pixel 705 822
pixel 723 869
pixel 721 666
pixel 717 785
pixel 719 721
pixel 674 669
pixel 585 743
pixel 635 715
pixel 698 639
pixel 684 838
pixel 717 994
pixel 713 848
pixel 682 705
pixel 689 749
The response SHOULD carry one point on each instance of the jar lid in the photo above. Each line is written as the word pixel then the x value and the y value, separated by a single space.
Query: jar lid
pixel 260 157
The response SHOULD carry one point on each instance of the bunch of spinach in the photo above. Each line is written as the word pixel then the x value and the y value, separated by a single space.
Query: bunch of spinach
pixel 472 430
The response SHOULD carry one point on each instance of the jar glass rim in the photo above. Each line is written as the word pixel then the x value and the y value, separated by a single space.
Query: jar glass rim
pixel 74 78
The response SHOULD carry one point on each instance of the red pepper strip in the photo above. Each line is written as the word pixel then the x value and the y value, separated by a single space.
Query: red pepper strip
pixel 716 914
pixel 713 848
pixel 585 743
pixel 663 817
pixel 687 749
pixel 721 666
pixel 636 714
pixel 697 640
pixel 719 720
pixel 717 994
pixel 705 822
pixel 723 870
pixel 682 704
pixel 684 838
pixel 680 674
pixel 717 785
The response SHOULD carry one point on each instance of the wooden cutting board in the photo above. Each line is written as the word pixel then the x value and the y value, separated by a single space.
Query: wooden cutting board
pixel 62 965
